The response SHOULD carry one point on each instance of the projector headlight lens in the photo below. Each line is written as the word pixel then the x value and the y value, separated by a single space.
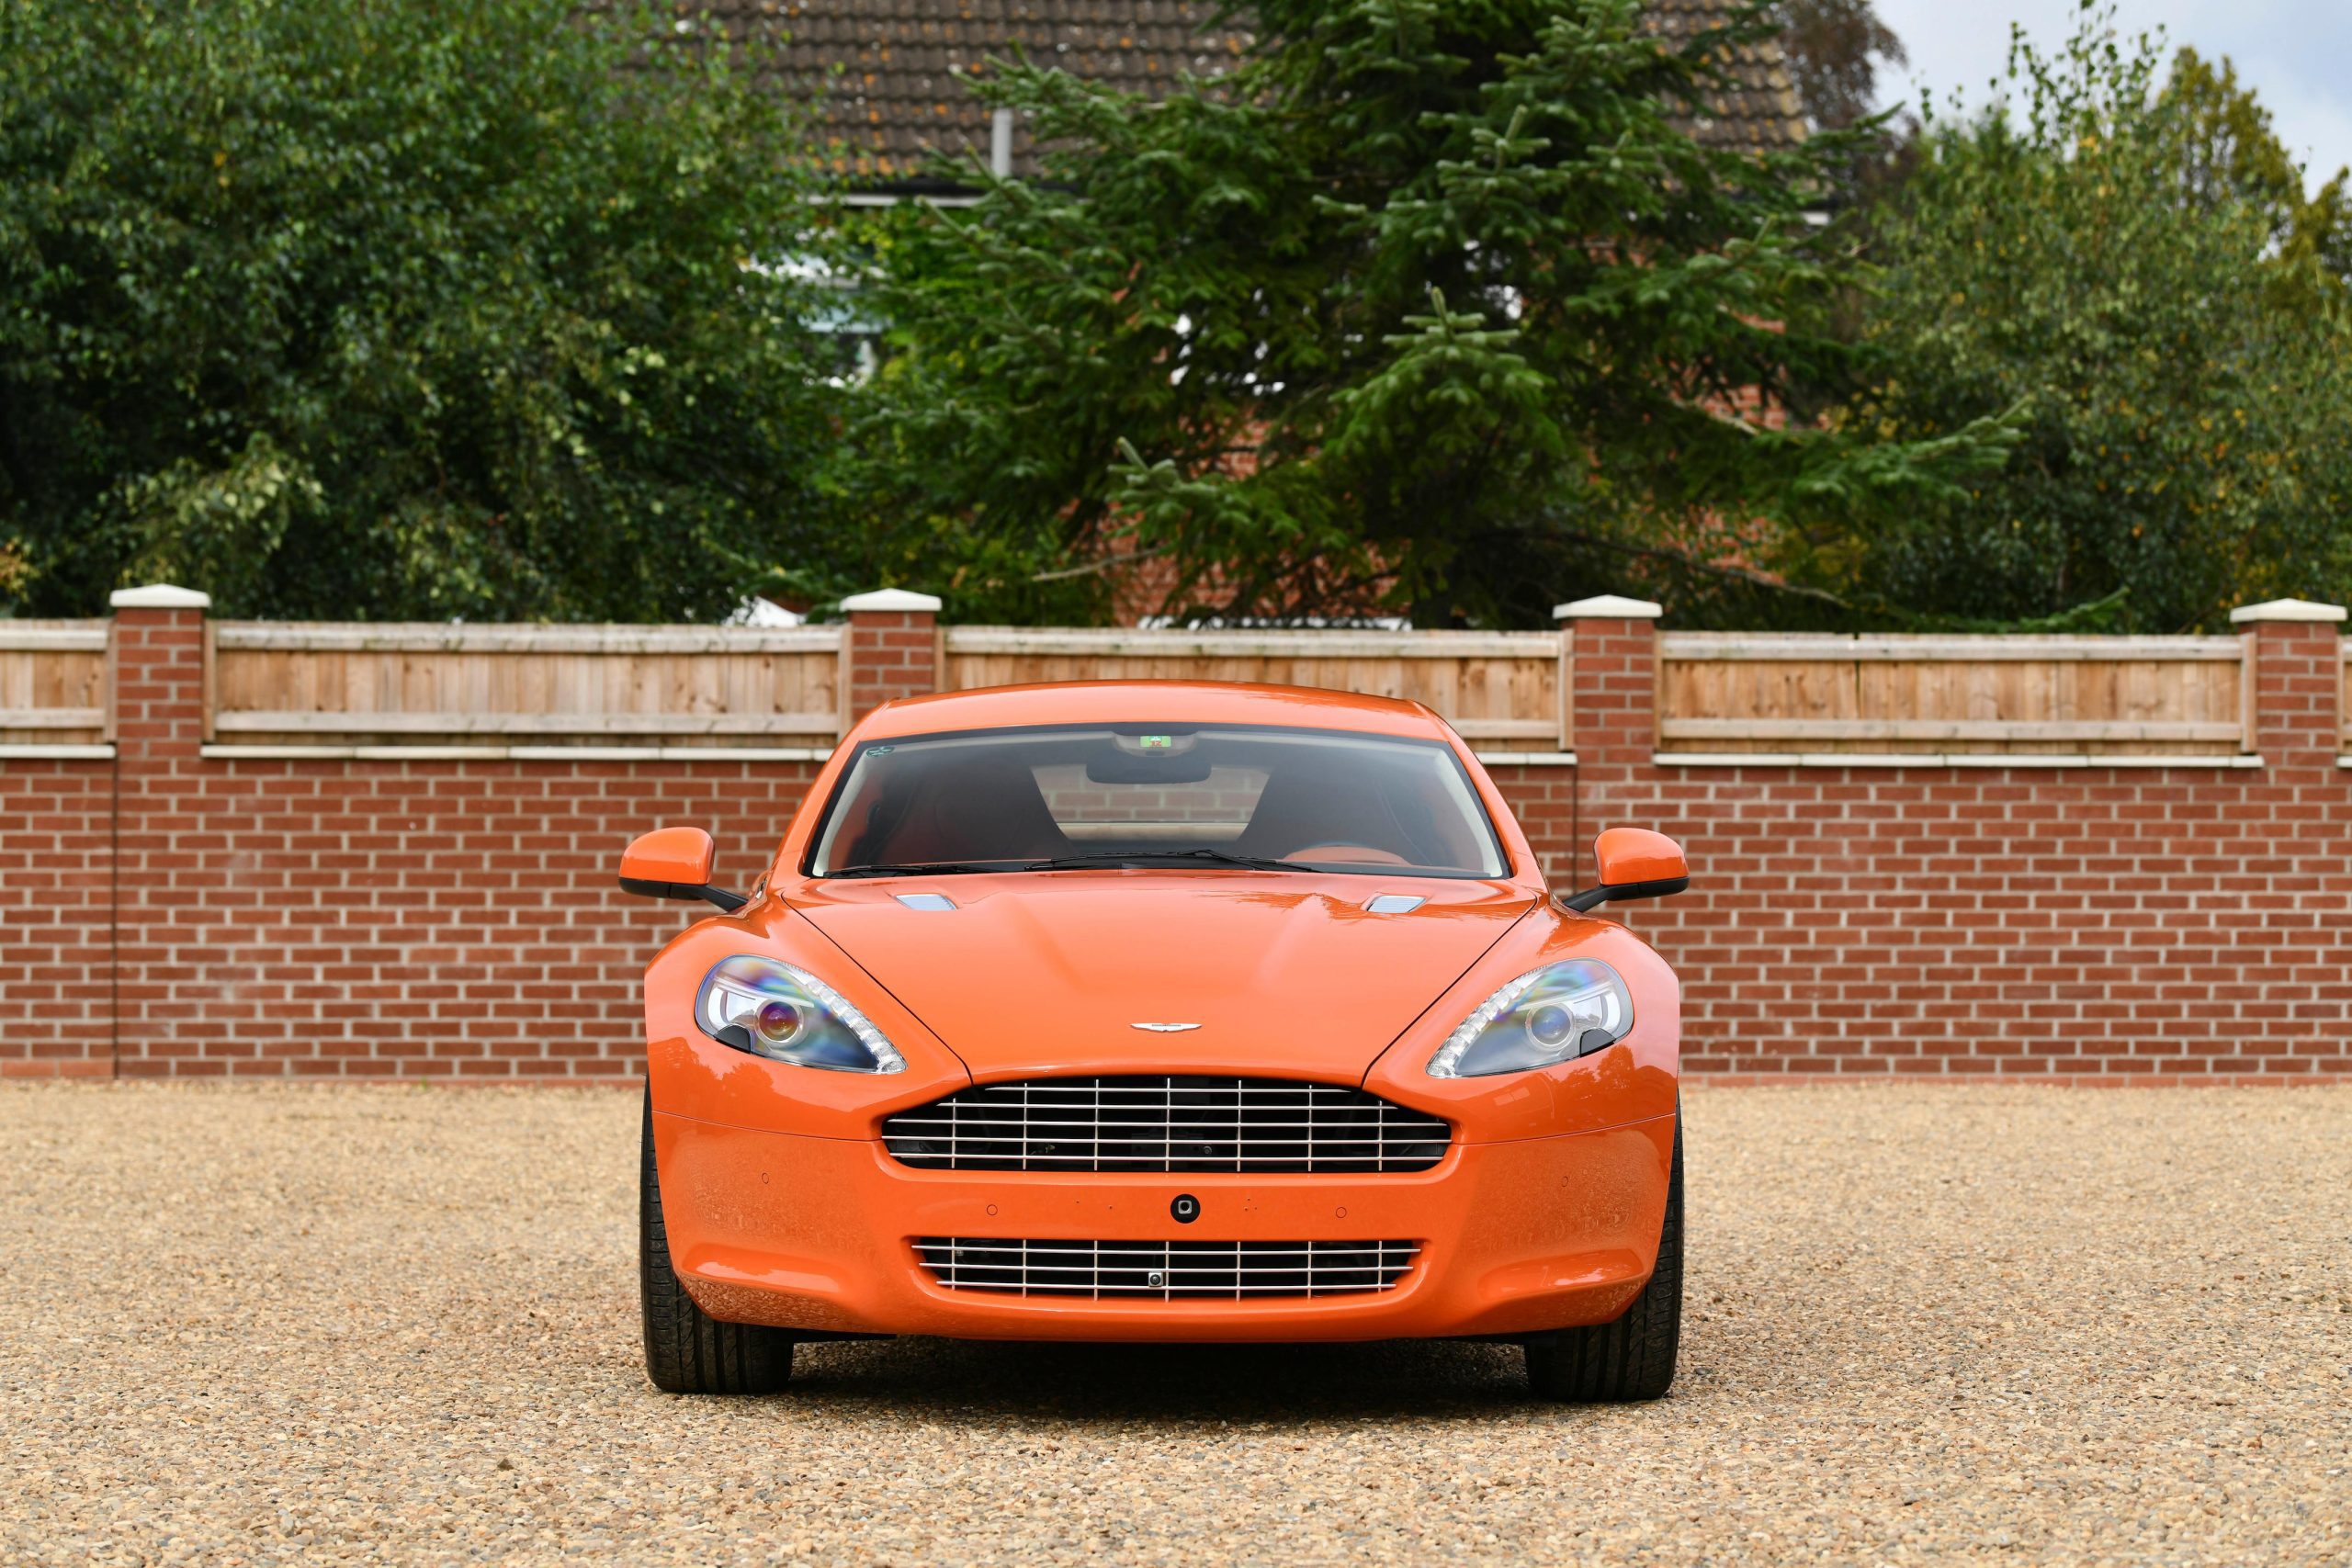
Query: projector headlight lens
pixel 1547 1016
pixel 786 1014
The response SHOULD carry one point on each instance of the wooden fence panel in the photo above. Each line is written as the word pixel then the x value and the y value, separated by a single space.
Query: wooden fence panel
pixel 314 684
pixel 1503 691
pixel 1985 695
pixel 1719 693
pixel 54 683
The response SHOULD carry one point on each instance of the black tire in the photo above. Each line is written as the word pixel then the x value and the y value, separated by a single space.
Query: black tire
pixel 1632 1359
pixel 686 1349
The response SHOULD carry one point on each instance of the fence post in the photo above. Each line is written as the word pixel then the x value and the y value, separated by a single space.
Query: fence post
pixel 2298 661
pixel 890 649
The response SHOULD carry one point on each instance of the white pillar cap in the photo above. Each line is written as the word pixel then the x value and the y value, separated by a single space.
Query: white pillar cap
pixel 1609 607
pixel 162 596
pixel 2286 610
pixel 892 599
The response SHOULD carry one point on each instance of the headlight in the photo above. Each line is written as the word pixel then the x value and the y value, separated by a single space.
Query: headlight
pixel 786 1014
pixel 1555 1014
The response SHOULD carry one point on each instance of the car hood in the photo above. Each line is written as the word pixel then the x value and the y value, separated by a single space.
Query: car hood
pixel 1051 972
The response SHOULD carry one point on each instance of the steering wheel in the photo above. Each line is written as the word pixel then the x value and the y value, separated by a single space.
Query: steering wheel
pixel 1348 852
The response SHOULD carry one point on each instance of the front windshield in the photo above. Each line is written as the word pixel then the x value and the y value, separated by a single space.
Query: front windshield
pixel 1066 798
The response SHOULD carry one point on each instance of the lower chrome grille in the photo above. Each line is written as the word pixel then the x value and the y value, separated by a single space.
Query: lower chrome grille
pixel 1169 1270
pixel 1166 1125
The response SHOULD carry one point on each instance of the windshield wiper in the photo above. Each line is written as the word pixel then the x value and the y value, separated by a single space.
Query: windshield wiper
pixel 930 868
pixel 1124 857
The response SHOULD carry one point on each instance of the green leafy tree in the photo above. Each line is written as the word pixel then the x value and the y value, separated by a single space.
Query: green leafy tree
pixel 1426 307
pixel 2188 388
pixel 2230 155
pixel 445 307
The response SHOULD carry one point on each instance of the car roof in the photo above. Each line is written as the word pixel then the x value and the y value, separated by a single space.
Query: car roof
pixel 1154 702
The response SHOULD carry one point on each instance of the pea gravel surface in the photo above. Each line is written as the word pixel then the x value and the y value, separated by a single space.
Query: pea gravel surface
pixel 1925 1324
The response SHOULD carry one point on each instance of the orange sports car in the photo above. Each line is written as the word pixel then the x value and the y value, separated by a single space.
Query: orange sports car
pixel 1159 1010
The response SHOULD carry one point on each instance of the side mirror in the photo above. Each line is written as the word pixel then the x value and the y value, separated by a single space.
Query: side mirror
pixel 675 863
pixel 1635 863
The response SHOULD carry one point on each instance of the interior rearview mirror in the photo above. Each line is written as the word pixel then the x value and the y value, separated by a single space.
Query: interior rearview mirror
pixel 675 863
pixel 1634 862
pixel 1115 768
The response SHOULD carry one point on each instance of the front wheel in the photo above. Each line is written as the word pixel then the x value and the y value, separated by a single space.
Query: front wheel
pixel 1632 1359
pixel 686 1349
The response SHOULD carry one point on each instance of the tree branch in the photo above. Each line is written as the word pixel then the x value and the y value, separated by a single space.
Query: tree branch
pixel 1712 569
pixel 1106 563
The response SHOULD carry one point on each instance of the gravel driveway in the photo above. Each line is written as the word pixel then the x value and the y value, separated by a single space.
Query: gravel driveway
pixel 1926 1323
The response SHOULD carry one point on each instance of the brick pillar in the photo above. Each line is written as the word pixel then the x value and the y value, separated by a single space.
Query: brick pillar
pixel 1612 671
pixel 891 648
pixel 2281 880
pixel 2298 681
pixel 1611 649
pixel 161 895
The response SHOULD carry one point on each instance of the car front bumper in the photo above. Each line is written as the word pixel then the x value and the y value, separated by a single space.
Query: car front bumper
pixel 1515 1237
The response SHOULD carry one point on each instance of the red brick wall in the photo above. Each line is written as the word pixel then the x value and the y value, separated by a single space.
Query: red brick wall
pixel 2103 923
pixel 366 919
pixel 56 918
pixel 436 918
pixel 459 917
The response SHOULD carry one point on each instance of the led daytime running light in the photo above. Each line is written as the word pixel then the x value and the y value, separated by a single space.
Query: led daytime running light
pixel 1449 1055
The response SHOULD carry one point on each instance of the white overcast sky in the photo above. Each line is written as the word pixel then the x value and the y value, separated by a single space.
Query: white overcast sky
pixel 2297 54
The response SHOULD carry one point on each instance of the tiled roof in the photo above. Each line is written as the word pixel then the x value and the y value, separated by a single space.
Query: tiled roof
pixel 895 69
pixel 1761 112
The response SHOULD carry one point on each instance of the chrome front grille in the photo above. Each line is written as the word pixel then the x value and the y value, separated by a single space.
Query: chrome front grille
pixel 1167 1270
pixel 1166 1125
